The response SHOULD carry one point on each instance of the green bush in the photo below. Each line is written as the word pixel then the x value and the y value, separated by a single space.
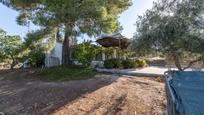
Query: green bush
pixel 141 63
pixel 129 64
pixel 126 64
pixel 85 53
pixel 112 63
pixel 36 57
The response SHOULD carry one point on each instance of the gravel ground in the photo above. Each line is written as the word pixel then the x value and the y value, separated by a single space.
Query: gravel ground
pixel 21 92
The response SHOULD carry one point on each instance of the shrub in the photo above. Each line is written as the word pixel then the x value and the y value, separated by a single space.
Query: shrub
pixel 36 57
pixel 112 63
pixel 141 63
pixel 85 53
pixel 128 64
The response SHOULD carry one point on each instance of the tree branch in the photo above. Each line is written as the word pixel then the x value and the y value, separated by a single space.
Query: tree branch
pixel 192 62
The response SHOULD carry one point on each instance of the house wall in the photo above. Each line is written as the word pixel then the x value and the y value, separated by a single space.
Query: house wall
pixel 54 57
pixel 57 51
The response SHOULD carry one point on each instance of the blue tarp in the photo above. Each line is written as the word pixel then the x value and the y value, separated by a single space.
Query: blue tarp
pixel 188 88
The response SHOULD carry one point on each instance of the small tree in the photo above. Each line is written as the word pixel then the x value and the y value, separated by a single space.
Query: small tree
pixel 10 48
pixel 174 28
pixel 85 53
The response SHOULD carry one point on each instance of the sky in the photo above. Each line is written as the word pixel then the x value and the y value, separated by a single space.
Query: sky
pixel 127 19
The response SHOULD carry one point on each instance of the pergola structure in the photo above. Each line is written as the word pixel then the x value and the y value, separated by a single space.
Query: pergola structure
pixel 115 41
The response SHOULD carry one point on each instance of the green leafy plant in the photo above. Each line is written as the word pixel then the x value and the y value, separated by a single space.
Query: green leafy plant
pixel 85 53
pixel 126 64
pixel 36 57
pixel 108 51
pixel 129 64
pixel 112 63
pixel 10 48
pixel 141 63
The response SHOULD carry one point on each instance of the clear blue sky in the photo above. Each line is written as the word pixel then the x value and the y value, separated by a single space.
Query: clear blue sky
pixel 127 19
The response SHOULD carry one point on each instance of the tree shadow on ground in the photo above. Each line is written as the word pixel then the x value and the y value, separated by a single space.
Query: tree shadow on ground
pixel 22 93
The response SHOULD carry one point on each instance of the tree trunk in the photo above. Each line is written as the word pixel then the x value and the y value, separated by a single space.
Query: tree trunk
pixel 66 53
pixel 177 61
pixel 14 62
pixel 12 66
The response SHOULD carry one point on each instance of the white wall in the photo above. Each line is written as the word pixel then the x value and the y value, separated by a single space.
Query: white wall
pixel 56 52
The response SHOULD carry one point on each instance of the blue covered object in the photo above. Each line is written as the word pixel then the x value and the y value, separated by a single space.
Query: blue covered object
pixel 188 89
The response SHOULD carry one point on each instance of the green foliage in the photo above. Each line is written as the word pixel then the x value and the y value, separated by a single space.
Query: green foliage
pixel 108 51
pixel 129 64
pixel 74 17
pixel 34 37
pixel 10 48
pixel 171 27
pixel 126 64
pixel 59 37
pixel 36 57
pixel 86 52
pixel 141 63
pixel 112 63
pixel 65 73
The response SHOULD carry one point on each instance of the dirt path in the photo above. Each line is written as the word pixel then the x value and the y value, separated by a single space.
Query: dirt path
pixel 22 93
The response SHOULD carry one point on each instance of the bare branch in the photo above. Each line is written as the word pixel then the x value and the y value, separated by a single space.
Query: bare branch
pixel 192 62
